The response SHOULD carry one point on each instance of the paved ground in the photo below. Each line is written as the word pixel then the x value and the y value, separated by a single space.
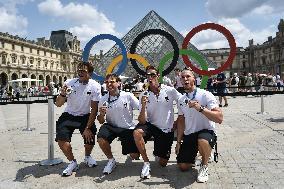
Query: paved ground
pixel 251 148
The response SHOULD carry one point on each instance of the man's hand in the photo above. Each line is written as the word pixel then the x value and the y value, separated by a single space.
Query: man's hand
pixel 88 135
pixel 144 101
pixel 103 110
pixel 194 104
pixel 174 125
pixel 177 147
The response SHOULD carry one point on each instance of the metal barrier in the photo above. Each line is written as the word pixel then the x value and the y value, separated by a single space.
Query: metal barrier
pixel 51 160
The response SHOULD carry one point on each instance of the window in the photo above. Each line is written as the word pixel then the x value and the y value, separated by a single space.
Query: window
pixel 22 48
pixel 3 44
pixel 23 60
pixel 13 47
pixel 3 59
pixel 56 55
pixel 31 50
pixel 13 60
pixel 37 51
pixel 44 53
pixel 31 63
pixel 244 64
pixel 222 57
pixel 244 56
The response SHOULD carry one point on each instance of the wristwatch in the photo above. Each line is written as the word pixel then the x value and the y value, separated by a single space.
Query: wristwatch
pixel 201 108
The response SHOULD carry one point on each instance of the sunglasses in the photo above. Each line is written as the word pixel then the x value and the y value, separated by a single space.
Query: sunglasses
pixel 82 70
pixel 151 75
pixel 111 81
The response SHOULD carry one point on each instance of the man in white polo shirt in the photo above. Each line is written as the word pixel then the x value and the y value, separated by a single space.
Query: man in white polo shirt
pixel 116 115
pixel 82 96
pixel 198 111
pixel 156 120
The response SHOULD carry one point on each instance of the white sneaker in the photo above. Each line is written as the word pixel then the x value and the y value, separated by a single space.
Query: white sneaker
pixel 111 164
pixel 146 170
pixel 202 174
pixel 73 166
pixel 90 161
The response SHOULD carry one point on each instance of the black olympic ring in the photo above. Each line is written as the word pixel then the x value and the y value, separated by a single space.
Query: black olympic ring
pixel 157 32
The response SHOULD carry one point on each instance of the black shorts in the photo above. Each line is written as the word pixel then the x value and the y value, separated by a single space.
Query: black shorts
pixel 162 141
pixel 109 133
pixel 189 147
pixel 67 123
pixel 221 90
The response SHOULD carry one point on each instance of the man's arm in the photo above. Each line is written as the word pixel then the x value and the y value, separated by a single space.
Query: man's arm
pixel 87 134
pixel 92 117
pixel 142 115
pixel 180 128
pixel 180 132
pixel 215 114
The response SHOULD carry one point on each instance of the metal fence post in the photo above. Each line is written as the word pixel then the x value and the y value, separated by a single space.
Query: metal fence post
pixel 51 160
pixel 28 116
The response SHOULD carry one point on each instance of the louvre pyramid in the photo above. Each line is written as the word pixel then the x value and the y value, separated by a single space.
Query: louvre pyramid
pixel 152 48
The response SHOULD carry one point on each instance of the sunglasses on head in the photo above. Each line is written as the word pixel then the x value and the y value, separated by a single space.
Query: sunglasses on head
pixel 151 74
pixel 82 70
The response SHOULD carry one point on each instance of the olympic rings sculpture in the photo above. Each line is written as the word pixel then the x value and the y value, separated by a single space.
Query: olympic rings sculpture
pixel 184 52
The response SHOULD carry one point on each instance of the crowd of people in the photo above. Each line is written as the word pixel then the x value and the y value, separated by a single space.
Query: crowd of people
pixel 198 111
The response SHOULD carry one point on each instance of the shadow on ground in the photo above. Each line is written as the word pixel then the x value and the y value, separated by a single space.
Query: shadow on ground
pixel 169 175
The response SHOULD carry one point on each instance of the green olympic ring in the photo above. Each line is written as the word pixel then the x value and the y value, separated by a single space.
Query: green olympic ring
pixel 193 55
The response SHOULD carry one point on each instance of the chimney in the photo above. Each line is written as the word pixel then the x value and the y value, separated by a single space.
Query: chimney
pixel 251 42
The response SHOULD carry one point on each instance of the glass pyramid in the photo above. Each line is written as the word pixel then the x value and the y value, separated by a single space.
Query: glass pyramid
pixel 152 48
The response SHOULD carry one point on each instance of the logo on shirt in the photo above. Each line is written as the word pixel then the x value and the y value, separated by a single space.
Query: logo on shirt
pixel 167 98
pixel 125 105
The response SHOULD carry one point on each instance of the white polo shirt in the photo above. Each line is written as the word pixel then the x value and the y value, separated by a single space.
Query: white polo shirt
pixel 195 120
pixel 120 109
pixel 79 101
pixel 160 111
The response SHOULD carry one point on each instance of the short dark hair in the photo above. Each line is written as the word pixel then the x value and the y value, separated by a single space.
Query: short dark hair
pixel 113 75
pixel 89 66
pixel 151 68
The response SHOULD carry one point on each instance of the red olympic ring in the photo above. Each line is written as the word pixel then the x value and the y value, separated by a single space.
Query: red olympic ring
pixel 219 28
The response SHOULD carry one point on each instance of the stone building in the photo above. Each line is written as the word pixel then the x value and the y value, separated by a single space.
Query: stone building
pixel 52 60
pixel 262 58
pixel 220 56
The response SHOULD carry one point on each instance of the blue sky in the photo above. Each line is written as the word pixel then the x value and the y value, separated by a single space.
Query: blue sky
pixel 246 19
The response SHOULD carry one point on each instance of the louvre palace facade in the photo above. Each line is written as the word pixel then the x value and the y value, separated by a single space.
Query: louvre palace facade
pixel 52 60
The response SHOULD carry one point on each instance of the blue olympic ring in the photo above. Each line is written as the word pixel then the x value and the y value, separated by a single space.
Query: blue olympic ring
pixel 89 45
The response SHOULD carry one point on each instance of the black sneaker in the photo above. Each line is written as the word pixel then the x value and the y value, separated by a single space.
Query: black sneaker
pixel 226 105
pixel 220 105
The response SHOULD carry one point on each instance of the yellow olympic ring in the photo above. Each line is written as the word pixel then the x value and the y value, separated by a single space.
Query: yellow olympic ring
pixel 118 59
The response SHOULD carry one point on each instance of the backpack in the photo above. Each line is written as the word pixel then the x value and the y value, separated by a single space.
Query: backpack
pixel 233 81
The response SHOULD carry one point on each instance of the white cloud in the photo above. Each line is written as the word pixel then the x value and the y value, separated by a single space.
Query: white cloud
pixel 209 39
pixel 12 23
pixel 263 10
pixel 231 9
pixel 85 19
